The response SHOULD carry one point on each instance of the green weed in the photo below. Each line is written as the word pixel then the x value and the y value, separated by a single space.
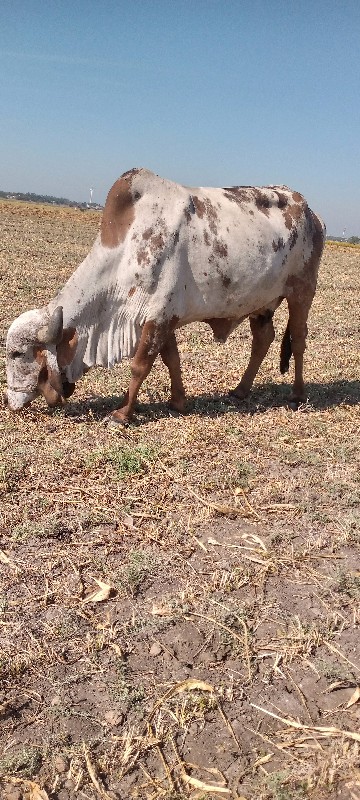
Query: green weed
pixel 27 529
pixel 140 564
pixel 280 788
pixel 124 460
pixel 349 584
pixel 26 762
pixel 244 473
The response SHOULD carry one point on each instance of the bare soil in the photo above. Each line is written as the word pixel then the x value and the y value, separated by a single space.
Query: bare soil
pixel 179 601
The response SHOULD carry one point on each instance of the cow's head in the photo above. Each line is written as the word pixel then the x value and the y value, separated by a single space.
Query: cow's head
pixel 38 348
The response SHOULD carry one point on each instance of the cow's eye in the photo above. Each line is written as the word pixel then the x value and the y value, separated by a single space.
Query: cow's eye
pixel 16 354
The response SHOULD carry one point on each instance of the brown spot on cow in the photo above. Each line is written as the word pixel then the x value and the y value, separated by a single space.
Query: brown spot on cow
pixel 130 173
pixel 318 236
pixel 220 248
pixel 245 196
pixel 143 258
pixel 304 285
pixel 156 243
pixel 297 197
pixel 131 291
pixel 312 264
pixel 282 200
pixel 279 245
pixel 205 208
pixel 237 194
pixel 295 212
pixel 288 220
pixel 225 280
pixel 199 206
pixel 119 212
pixel 233 196
pixel 262 202
pixel 293 237
pixel 207 238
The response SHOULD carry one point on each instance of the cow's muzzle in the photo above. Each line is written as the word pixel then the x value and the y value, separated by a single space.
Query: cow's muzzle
pixel 15 400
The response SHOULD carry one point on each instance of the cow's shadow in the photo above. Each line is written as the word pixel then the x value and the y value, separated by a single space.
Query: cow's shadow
pixel 321 396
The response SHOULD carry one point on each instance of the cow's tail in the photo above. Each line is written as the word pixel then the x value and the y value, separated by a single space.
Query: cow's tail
pixel 286 351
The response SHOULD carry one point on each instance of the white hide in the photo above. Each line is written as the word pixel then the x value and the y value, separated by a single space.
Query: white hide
pixel 21 368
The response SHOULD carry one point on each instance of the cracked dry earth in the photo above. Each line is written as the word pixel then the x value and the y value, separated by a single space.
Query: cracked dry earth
pixel 213 638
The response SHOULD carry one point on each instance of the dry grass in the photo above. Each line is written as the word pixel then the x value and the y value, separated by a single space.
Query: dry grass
pixel 164 588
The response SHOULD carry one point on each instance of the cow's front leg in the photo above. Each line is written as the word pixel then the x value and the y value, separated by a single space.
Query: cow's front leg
pixel 149 346
pixel 263 333
pixel 170 356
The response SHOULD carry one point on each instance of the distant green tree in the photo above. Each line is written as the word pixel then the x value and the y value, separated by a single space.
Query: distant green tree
pixel 354 240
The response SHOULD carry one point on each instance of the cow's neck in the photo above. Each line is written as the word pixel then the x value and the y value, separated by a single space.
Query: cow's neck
pixel 94 304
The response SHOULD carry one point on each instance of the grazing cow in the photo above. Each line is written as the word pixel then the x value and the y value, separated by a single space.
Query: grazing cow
pixel 168 255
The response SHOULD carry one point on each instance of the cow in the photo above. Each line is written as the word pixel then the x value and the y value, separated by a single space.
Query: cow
pixel 167 255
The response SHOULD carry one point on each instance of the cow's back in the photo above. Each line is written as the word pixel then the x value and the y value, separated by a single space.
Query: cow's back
pixel 200 252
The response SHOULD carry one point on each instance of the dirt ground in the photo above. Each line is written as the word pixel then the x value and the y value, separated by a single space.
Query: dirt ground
pixel 179 601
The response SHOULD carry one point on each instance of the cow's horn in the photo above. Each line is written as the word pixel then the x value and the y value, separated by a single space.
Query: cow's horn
pixel 52 332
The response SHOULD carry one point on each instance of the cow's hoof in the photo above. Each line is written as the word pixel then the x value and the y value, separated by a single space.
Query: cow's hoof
pixel 179 408
pixel 237 397
pixel 111 421
pixel 293 405
pixel 295 402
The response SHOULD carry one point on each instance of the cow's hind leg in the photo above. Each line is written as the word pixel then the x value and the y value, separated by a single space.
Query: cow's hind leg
pixel 298 314
pixel 263 334
pixel 170 356
pixel 299 303
pixel 151 341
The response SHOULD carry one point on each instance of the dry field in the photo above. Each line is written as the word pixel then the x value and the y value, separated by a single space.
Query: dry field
pixel 179 601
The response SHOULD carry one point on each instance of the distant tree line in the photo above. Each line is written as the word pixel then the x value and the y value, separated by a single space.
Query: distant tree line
pixel 350 240
pixel 30 197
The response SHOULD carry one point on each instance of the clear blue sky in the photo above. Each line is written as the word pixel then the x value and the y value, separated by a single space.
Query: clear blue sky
pixel 204 92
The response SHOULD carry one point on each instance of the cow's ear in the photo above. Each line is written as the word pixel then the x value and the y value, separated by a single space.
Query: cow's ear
pixel 67 347
pixel 49 374
pixel 39 355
